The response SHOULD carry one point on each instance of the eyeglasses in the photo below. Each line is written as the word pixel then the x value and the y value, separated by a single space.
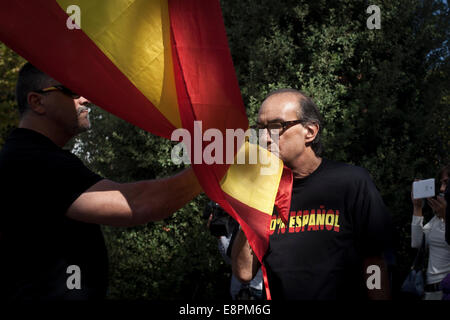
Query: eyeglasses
pixel 61 88
pixel 277 127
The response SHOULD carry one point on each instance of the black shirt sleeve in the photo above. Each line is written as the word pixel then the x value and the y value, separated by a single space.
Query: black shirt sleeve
pixel 44 186
pixel 372 220
pixel 68 179
pixel 39 185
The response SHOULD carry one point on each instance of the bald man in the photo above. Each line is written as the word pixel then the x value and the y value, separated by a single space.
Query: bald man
pixel 332 246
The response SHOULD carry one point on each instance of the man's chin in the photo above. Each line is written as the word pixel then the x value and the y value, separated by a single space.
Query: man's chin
pixel 84 128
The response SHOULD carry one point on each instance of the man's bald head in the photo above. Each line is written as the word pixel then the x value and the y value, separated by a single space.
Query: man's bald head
pixel 307 111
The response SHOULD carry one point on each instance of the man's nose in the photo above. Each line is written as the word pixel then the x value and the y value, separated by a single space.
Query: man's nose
pixel 83 100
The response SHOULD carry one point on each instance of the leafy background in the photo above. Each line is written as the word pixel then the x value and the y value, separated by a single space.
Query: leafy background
pixel 384 95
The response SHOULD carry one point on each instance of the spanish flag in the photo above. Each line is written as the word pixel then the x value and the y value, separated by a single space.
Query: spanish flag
pixel 160 65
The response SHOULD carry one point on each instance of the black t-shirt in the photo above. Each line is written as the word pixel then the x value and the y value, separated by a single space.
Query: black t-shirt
pixel 337 218
pixel 39 245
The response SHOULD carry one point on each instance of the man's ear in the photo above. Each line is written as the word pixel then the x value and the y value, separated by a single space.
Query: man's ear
pixel 35 102
pixel 312 131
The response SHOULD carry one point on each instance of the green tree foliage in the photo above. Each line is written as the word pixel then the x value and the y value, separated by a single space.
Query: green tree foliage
pixel 384 95
pixel 10 64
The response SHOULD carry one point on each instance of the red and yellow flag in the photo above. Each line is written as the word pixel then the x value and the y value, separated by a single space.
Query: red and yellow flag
pixel 160 65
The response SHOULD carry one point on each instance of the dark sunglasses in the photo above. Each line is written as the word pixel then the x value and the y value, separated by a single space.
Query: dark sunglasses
pixel 61 88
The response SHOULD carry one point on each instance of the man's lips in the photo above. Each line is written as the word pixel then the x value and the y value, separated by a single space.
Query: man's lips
pixel 80 110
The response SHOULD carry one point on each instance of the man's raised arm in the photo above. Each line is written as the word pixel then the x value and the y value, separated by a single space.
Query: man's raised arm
pixel 129 204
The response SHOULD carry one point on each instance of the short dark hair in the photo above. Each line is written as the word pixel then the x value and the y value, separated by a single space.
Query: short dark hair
pixel 30 79
pixel 307 111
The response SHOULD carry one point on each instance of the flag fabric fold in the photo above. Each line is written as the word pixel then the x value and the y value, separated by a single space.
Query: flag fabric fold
pixel 160 65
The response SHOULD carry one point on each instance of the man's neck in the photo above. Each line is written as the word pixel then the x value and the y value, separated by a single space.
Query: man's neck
pixel 306 164
pixel 51 132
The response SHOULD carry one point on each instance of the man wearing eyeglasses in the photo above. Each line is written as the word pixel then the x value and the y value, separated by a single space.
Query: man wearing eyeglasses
pixel 51 245
pixel 332 244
